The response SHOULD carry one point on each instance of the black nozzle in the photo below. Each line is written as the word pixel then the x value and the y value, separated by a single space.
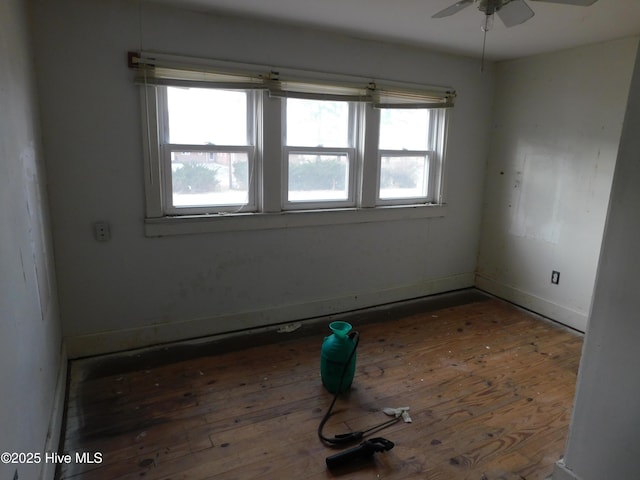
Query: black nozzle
pixel 363 451
pixel 347 437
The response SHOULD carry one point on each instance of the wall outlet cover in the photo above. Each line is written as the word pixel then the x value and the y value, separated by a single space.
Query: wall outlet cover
pixel 102 231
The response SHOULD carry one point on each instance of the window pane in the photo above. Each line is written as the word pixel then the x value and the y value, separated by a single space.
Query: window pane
pixel 318 177
pixel 317 123
pixel 201 116
pixel 403 177
pixel 404 129
pixel 209 178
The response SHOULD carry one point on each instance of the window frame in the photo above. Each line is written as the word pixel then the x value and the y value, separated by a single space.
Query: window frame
pixel 268 206
pixel 352 165
pixel 315 204
pixel 433 159
pixel 171 209
pixel 166 148
pixel 428 182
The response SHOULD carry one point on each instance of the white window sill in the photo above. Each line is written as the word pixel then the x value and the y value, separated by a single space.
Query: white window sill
pixel 197 224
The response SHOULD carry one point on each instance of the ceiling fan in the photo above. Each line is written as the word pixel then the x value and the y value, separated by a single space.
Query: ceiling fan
pixel 511 12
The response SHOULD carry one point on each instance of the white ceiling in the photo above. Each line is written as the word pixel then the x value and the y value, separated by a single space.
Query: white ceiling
pixel 553 27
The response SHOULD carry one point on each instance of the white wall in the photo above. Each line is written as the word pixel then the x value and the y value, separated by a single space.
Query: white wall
pixel 604 436
pixel 555 133
pixel 135 291
pixel 31 364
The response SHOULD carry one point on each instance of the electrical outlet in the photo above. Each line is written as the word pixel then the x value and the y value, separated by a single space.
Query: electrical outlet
pixel 102 231
pixel 555 277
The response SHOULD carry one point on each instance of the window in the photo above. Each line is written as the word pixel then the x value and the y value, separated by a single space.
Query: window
pixel 404 155
pixel 250 143
pixel 319 153
pixel 207 143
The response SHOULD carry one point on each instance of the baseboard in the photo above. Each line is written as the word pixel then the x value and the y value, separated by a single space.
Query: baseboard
pixel 561 472
pixel 148 335
pixel 54 431
pixel 559 313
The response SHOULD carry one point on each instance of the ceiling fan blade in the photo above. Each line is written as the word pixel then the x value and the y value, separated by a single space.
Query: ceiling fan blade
pixel 580 3
pixel 455 8
pixel 514 13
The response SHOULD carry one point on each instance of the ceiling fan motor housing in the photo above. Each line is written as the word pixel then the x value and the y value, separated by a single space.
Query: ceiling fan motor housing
pixel 489 7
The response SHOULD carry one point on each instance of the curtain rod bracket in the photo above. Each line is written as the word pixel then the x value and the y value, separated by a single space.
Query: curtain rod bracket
pixel 133 59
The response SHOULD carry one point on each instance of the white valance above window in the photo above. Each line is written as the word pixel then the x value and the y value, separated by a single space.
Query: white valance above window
pixel 174 70
pixel 405 98
pixel 315 90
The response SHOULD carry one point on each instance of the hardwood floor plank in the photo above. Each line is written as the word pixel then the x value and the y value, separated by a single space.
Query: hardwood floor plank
pixel 490 388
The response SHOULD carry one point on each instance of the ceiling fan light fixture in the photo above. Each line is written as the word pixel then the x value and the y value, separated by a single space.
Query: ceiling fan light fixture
pixel 511 12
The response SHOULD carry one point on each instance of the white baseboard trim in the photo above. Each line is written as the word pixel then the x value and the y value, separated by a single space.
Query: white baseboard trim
pixel 559 313
pixel 148 335
pixel 561 472
pixel 54 431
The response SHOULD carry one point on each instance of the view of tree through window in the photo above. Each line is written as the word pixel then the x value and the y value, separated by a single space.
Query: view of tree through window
pixel 240 150
pixel 317 123
pixel 320 171
pixel 218 119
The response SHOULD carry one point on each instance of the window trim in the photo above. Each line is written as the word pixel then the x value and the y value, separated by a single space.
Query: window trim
pixel 354 119
pixel 203 224
pixel 433 154
pixel 161 174
pixel 269 208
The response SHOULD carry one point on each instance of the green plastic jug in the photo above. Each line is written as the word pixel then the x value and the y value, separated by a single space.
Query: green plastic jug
pixel 336 349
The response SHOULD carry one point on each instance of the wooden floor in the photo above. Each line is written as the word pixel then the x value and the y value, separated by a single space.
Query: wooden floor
pixel 490 389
